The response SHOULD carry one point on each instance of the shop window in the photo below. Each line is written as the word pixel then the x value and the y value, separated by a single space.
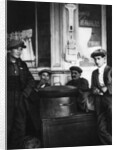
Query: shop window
pixel 31 22
pixel 89 32
pixel 43 27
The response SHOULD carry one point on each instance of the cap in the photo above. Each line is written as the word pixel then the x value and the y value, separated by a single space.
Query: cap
pixel 76 68
pixel 99 52
pixel 45 70
pixel 15 44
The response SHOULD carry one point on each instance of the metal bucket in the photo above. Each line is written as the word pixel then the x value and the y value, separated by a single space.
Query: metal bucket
pixel 58 101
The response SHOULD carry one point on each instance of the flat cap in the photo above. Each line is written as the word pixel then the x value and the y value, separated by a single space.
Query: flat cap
pixel 15 44
pixel 76 68
pixel 45 70
pixel 99 52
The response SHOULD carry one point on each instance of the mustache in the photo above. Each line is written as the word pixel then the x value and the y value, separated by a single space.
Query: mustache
pixel 73 76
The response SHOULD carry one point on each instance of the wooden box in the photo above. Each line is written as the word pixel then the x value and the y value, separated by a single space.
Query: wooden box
pixel 76 130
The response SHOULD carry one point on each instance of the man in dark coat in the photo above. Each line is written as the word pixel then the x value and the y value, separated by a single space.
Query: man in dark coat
pixel 81 84
pixel 19 82
pixel 102 92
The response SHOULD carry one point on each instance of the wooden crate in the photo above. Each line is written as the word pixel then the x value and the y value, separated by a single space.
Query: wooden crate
pixel 77 130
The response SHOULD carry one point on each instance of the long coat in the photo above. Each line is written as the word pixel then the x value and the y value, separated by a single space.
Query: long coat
pixel 103 105
pixel 19 82
pixel 27 121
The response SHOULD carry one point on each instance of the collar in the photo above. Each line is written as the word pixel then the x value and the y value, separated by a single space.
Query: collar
pixel 101 69
pixel 18 61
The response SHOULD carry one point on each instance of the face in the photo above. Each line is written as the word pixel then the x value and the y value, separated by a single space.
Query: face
pixel 99 60
pixel 16 52
pixel 45 76
pixel 75 74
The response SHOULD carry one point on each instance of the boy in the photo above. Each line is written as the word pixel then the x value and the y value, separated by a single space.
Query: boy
pixel 101 88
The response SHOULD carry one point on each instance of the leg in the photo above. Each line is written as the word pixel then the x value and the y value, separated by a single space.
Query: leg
pixel 104 120
pixel 104 135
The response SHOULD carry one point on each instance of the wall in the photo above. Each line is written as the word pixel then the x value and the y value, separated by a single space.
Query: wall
pixel 83 39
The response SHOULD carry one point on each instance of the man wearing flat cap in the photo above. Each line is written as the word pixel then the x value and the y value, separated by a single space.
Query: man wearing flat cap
pixel 81 84
pixel 45 76
pixel 19 83
pixel 102 92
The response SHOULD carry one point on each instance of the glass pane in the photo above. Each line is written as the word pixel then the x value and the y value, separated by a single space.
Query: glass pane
pixel 89 32
pixel 43 17
pixel 21 25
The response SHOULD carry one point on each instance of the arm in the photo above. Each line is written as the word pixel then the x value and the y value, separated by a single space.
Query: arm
pixel 94 84
pixel 28 80
pixel 109 82
pixel 68 83
pixel 84 85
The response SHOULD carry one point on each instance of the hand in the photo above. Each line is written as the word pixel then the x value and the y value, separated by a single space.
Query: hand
pixel 96 91
pixel 25 94
pixel 41 83
pixel 104 89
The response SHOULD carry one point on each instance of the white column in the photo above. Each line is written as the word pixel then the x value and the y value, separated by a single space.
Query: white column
pixel 36 34
pixel 103 27
pixel 56 37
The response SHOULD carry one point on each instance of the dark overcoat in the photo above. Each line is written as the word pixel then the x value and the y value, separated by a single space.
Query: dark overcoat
pixel 19 82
